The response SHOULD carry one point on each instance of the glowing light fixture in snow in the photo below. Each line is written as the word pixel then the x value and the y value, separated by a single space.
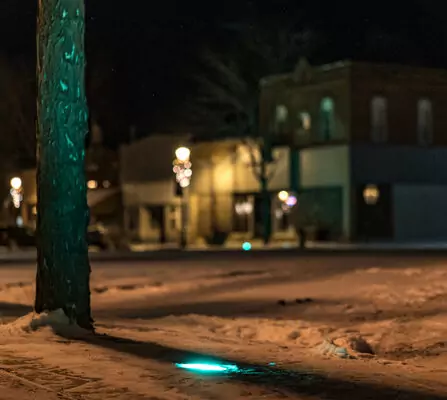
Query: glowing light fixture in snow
pixel 246 246
pixel 199 367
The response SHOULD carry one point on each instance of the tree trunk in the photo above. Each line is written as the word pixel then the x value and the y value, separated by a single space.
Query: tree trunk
pixel 63 270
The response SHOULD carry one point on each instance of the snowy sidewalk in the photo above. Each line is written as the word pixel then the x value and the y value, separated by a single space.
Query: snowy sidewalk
pixel 271 319
pixel 15 387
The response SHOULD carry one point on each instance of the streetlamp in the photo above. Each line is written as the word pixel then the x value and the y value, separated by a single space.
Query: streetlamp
pixel 16 191
pixel 371 194
pixel 182 154
pixel 183 173
pixel 16 183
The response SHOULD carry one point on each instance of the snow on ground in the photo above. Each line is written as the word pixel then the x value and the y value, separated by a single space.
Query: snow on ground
pixel 284 322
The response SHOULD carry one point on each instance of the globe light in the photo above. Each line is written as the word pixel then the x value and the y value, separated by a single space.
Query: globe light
pixel 92 184
pixel 291 201
pixel 182 154
pixel 184 183
pixel 283 195
pixel 16 183
pixel 246 246
pixel 371 194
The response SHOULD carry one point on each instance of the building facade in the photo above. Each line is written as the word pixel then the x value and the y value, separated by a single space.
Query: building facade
pixel 102 180
pixel 372 133
pixel 152 212
pixel 223 196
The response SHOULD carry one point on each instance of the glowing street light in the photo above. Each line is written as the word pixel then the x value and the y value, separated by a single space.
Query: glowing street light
pixel 183 173
pixel 283 195
pixel 371 194
pixel 16 183
pixel 16 191
pixel 182 154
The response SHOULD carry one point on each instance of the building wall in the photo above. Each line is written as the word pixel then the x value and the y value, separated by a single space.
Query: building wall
pixel 147 181
pixel 329 167
pixel 149 159
pixel 221 169
pixel 403 87
pixel 305 95
pixel 398 164
pixel 420 212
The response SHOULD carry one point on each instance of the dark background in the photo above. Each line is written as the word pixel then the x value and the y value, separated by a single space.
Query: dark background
pixel 142 53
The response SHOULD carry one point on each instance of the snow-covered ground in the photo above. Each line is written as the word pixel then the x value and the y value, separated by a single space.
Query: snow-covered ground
pixel 310 328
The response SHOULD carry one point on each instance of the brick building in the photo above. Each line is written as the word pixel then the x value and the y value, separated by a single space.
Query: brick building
pixel 371 146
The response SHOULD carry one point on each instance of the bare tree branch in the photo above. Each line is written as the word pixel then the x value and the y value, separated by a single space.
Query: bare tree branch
pixel 17 111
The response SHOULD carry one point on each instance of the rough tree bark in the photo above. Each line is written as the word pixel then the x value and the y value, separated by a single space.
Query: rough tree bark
pixel 63 270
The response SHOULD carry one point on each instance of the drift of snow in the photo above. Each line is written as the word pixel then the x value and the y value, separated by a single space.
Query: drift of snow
pixel 56 320
pixel 388 314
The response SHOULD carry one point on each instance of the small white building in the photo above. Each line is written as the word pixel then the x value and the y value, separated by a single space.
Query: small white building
pixel 151 209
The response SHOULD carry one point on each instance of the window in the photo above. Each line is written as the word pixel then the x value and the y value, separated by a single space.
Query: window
pixel 281 115
pixel 305 122
pixel 327 119
pixel 379 119
pixel 242 213
pixel 425 122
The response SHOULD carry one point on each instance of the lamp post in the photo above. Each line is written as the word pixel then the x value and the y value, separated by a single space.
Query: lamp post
pixel 183 173
pixel 16 193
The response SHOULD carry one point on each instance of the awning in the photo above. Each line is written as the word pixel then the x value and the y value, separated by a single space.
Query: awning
pixel 97 196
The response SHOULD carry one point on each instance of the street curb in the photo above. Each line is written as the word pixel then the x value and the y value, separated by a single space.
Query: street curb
pixel 176 254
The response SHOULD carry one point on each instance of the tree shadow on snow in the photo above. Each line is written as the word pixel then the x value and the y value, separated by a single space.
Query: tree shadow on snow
pixel 14 310
pixel 269 378
pixel 338 312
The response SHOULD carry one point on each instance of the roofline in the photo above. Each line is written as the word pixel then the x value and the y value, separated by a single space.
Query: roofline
pixel 348 64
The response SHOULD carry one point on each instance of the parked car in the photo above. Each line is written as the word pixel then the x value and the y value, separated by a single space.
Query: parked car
pixel 14 237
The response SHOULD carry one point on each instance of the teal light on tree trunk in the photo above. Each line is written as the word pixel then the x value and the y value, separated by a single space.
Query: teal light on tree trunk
pixel 63 269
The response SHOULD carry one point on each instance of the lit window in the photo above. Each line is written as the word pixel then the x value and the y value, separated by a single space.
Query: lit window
pixel 243 213
pixel 281 115
pixel 327 119
pixel 379 119
pixel 92 184
pixel 305 121
pixel 244 208
pixel 425 122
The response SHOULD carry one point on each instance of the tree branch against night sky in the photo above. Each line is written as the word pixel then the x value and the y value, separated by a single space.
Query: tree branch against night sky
pixel 148 51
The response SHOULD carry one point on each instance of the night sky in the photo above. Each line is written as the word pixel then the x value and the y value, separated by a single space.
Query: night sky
pixel 142 53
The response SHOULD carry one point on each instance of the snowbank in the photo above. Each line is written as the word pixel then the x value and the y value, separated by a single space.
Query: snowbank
pixel 55 321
